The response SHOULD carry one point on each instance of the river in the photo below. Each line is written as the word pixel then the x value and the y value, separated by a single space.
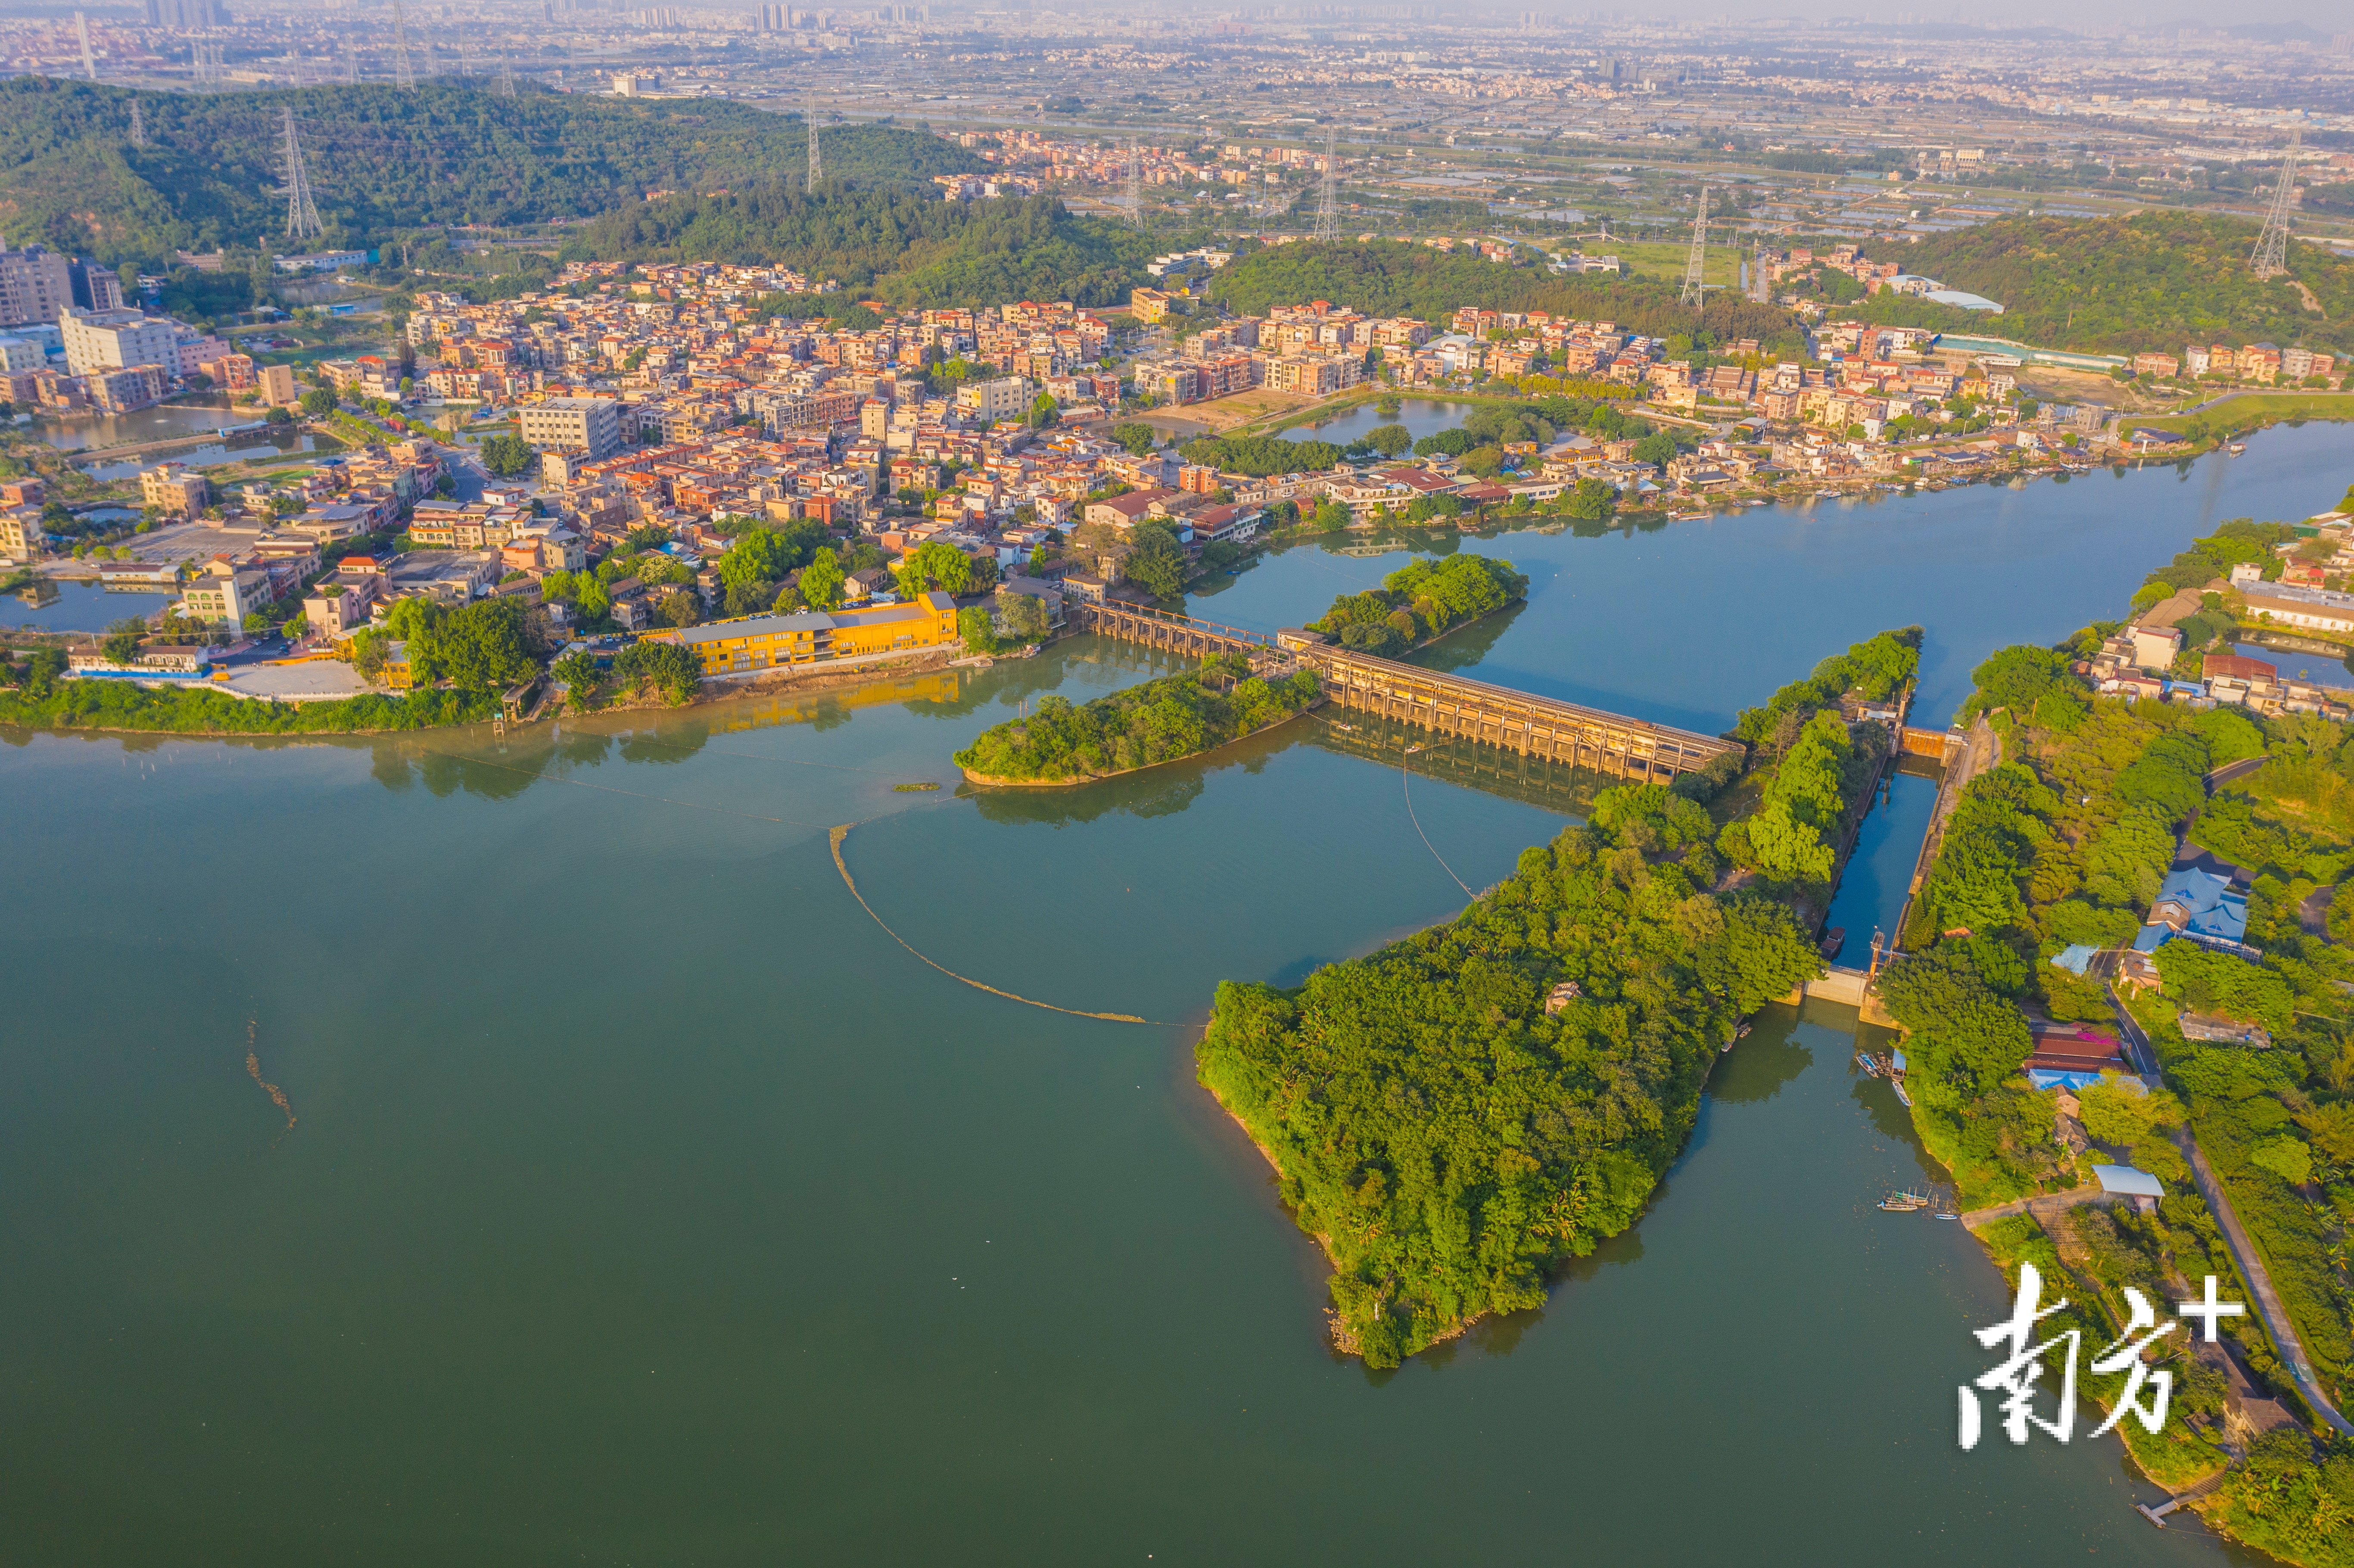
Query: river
pixel 647 1203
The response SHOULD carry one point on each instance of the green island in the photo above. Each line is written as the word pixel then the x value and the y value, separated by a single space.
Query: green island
pixel 1457 1115
pixel 1423 599
pixel 1165 720
pixel 2064 846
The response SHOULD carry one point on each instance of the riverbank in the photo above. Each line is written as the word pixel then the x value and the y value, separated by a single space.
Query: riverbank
pixel 988 781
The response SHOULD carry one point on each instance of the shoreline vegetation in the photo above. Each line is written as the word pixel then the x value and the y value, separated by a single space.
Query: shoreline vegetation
pixel 2065 845
pixel 1456 1116
pixel 1164 720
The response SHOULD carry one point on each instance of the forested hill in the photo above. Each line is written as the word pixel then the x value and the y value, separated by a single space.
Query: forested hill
pixel 2155 281
pixel 381 158
pixel 899 244
pixel 1387 277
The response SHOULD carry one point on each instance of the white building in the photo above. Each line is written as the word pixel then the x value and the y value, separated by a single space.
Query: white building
pixel 116 340
pixel 590 425
pixel 20 353
pixel 1004 398
pixel 2318 609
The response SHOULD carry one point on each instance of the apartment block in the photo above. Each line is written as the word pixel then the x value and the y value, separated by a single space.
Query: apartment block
pixel 591 425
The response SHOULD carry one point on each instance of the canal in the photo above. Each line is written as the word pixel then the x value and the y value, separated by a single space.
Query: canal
pixel 637 1198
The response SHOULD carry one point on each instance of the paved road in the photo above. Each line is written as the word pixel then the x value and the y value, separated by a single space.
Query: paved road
pixel 2232 770
pixel 2252 1268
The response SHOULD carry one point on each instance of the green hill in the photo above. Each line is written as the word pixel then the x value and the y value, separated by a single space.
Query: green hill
pixel 2152 281
pixel 905 247
pixel 1387 277
pixel 382 159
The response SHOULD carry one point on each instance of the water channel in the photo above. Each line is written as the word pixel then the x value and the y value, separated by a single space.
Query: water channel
pixel 644 1202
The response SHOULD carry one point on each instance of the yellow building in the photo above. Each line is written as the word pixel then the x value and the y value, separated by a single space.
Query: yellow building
pixel 767 641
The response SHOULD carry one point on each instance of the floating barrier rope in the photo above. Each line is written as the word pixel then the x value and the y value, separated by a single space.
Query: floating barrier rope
pixel 835 837
pixel 1405 777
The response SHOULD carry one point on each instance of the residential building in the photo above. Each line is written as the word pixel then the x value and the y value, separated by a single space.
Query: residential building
pixel 22 353
pixel 113 340
pixel 177 491
pixel 23 539
pixel 338 605
pixel 225 593
pixel 591 425
pixel 278 386
pixel 1001 398
pixel 36 285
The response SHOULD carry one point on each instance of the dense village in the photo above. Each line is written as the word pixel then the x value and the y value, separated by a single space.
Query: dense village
pixel 665 450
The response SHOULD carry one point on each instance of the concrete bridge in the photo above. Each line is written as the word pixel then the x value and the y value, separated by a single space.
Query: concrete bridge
pixel 1446 706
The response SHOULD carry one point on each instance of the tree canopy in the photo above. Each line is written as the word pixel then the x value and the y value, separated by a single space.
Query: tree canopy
pixel 383 158
pixel 1448 1135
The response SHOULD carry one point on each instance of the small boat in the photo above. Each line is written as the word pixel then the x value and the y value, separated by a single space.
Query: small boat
pixel 1833 940
pixel 2239 446
pixel 1898 1085
pixel 1904 1201
pixel 1868 1063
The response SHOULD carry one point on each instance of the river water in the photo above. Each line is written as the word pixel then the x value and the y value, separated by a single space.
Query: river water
pixel 648 1203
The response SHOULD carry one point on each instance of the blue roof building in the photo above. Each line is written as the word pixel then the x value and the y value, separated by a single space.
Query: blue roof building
pixel 2200 904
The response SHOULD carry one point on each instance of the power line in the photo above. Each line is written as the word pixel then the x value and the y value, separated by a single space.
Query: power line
pixel 402 72
pixel 302 217
pixel 1328 201
pixel 1695 265
pixel 2271 257
pixel 809 124
pixel 88 60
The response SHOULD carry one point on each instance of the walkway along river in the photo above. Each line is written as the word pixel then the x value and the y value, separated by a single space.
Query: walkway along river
pixel 649 1202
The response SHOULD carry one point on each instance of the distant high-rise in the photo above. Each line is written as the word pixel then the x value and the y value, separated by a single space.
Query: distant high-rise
pixel 186 15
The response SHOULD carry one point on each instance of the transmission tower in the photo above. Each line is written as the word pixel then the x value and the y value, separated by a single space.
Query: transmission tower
pixel 465 66
pixel 1327 200
pixel 507 78
pixel 2271 257
pixel 402 72
pixel 1131 198
pixel 1696 264
pixel 138 125
pixel 1757 291
pixel 302 217
pixel 351 65
pixel 808 122
pixel 88 60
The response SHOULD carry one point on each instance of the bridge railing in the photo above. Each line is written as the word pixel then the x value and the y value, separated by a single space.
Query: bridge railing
pixel 1175 622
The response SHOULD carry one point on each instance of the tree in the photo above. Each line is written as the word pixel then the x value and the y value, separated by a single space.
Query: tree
pixel 671 668
pixel 483 647
pixel 1155 561
pixel 1659 448
pixel 123 640
pixel 1593 501
pixel 1025 615
pixel 507 456
pixel 1389 440
pixel 680 608
pixel 974 626
pixel 2121 1117
pixel 821 580
pixel 1043 411
pixel 581 678
pixel 318 400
